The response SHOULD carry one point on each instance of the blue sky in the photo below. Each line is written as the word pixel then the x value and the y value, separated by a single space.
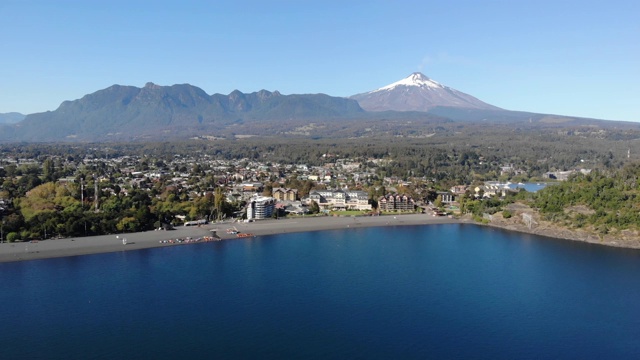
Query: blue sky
pixel 578 58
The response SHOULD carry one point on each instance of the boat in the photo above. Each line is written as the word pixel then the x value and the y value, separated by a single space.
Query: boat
pixel 232 230
pixel 244 235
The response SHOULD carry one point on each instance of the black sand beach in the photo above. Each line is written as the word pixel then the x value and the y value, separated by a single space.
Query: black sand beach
pixel 142 240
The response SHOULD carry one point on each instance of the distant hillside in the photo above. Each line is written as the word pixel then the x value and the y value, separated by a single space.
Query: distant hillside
pixel 523 118
pixel 127 112
pixel 11 118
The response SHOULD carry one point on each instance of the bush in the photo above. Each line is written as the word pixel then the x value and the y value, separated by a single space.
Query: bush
pixel 506 214
pixel 602 229
pixel 12 237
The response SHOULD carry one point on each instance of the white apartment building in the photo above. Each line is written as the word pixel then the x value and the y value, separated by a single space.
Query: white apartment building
pixel 260 207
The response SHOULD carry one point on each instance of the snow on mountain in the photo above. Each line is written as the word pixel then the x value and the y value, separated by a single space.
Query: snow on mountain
pixel 415 79
pixel 417 92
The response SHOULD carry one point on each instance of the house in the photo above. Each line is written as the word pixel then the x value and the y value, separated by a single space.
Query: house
pixel 564 175
pixel 506 169
pixel 446 197
pixel 67 180
pixel 490 189
pixel 294 207
pixel 285 194
pixel 458 189
pixel 252 186
pixel 238 177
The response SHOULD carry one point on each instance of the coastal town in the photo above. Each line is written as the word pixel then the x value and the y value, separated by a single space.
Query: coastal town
pixel 320 180
pixel 145 192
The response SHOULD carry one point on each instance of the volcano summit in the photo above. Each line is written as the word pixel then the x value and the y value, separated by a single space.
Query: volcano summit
pixel 417 93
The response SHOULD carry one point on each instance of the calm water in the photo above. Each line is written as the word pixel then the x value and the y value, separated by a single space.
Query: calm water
pixel 530 187
pixel 441 291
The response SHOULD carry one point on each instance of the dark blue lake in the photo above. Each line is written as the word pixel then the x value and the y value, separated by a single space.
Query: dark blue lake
pixel 438 291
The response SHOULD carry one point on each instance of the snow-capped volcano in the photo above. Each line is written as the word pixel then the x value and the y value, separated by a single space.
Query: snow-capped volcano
pixel 417 93
pixel 415 79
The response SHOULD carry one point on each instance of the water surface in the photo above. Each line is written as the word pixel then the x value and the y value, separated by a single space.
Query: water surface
pixel 437 291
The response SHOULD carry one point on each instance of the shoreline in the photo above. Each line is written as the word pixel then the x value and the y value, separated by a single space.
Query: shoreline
pixel 628 241
pixel 76 246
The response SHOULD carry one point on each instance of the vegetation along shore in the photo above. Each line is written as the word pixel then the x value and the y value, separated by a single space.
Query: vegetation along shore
pixel 72 191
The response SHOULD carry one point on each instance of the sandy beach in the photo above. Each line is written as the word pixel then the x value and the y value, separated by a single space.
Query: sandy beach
pixel 21 251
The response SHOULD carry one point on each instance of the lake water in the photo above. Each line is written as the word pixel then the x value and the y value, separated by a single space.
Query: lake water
pixel 530 187
pixel 437 291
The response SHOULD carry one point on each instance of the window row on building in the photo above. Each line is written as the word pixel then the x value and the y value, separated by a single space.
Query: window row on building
pixel 391 202
pixel 340 199
pixel 285 194
pixel 260 207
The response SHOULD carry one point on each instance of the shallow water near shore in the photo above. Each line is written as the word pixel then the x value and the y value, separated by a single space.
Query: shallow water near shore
pixel 436 291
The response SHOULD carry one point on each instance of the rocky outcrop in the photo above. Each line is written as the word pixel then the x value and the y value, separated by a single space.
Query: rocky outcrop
pixel 623 238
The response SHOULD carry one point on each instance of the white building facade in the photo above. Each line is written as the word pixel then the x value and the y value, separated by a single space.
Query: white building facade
pixel 341 199
pixel 260 207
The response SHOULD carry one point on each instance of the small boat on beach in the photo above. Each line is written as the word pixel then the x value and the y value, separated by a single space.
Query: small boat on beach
pixel 232 230
pixel 244 235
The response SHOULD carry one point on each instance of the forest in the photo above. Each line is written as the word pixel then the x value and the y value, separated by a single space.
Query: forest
pixel 602 200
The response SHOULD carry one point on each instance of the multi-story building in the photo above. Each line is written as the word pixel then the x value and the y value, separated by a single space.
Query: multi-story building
pixel 341 199
pixel 391 202
pixel 260 207
pixel 358 200
pixel 283 194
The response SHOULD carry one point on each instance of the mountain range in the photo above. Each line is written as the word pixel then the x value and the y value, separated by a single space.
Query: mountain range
pixel 415 105
pixel 11 118
pixel 127 112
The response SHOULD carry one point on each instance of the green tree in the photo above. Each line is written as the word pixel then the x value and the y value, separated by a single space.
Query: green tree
pixel 314 208
pixel 127 224
pixel 12 236
pixel 438 202
pixel 48 198
pixel 48 170
pixel 219 202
